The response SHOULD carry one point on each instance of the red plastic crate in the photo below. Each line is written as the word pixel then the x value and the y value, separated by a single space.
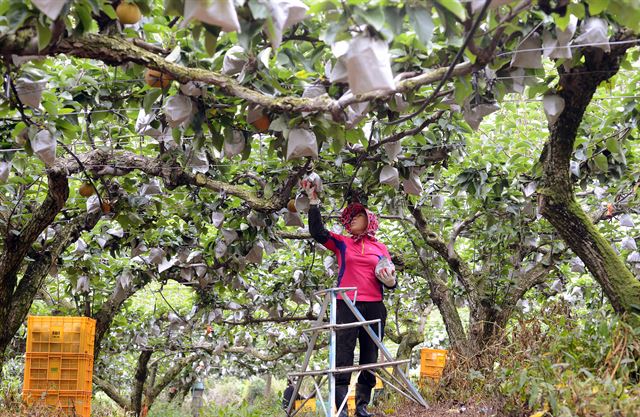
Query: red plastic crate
pixel 72 403
pixel 46 334
pixel 58 371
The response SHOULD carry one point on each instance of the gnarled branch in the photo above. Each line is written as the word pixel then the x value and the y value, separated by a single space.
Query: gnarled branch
pixel 116 51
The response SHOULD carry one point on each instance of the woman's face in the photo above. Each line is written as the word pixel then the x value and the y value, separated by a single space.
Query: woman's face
pixel 359 223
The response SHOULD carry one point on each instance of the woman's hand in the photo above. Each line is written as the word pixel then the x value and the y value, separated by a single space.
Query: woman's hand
pixel 387 276
pixel 311 189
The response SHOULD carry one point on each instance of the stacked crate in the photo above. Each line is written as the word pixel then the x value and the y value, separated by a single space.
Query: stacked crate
pixel 59 363
pixel 432 362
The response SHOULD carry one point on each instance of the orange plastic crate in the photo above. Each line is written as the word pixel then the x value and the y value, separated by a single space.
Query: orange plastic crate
pixel 430 358
pixel 58 371
pixel 304 407
pixel 47 334
pixel 351 403
pixel 72 403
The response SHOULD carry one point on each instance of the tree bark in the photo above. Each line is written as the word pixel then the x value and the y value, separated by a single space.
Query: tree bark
pixel 109 309
pixel 117 50
pixel 16 297
pixel 268 379
pixel 408 341
pixel 123 162
pixel 112 392
pixel 556 198
pixel 487 317
pixel 168 377
pixel 440 293
pixel 140 378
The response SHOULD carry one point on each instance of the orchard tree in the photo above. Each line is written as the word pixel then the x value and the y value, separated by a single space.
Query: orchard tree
pixel 185 133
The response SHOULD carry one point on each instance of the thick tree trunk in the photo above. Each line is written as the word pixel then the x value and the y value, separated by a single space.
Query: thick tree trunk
pixel 110 308
pixel 16 297
pixel 443 299
pixel 140 378
pixel 169 375
pixel 556 198
pixel 621 287
pixel 408 341
pixel 268 378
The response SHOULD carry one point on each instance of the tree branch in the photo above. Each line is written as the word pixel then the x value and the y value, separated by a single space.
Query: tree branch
pixel 109 309
pixel 457 230
pixel 169 376
pixel 457 265
pixel 410 132
pixel 256 320
pixel 101 162
pixel 116 51
pixel 140 378
pixel 112 392
pixel 37 270
pixel 269 357
pixel 17 245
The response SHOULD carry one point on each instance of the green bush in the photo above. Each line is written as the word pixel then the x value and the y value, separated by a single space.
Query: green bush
pixel 255 390
pixel 262 407
pixel 166 409
pixel 573 366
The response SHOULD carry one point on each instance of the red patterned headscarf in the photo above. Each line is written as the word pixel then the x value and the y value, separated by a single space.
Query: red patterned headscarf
pixel 353 209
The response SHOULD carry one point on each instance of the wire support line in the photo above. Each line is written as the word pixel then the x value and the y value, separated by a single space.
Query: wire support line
pixel 582 45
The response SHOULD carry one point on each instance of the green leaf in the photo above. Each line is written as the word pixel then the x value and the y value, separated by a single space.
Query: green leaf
pixel 83 12
pixel 597 6
pixel 601 162
pixel 258 9
pixel 217 140
pixel 51 107
pixel 420 19
pixel 339 139
pixel 150 98
pixel 455 7
pixel 210 42
pixel 463 89
pixel 626 14
pixel 613 146
pixel 320 6
pixel 561 21
pixel 44 35
pixel 355 135
pixel 577 9
pixel 109 11
pixel 20 126
pixel 394 17
pixel 173 7
pixel 373 17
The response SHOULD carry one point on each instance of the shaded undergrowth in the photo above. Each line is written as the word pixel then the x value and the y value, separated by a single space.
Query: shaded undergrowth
pixel 553 364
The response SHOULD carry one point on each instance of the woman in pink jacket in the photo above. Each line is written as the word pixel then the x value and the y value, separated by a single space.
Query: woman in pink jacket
pixel 358 255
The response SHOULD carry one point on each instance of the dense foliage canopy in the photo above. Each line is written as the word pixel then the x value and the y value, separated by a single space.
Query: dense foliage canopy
pixel 149 170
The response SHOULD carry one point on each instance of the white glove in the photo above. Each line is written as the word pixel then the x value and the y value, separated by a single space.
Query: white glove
pixel 387 276
pixel 311 185
pixel 386 272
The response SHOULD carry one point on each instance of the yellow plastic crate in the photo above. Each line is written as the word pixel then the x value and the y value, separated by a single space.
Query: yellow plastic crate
pixel 351 403
pixel 433 357
pixel 379 382
pixel 47 334
pixel 309 406
pixel 58 371
pixel 72 403
pixel 432 371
